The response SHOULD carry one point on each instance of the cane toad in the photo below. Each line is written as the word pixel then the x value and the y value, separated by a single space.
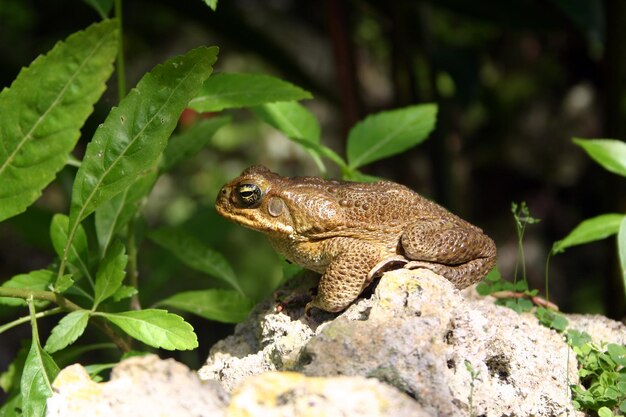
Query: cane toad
pixel 349 231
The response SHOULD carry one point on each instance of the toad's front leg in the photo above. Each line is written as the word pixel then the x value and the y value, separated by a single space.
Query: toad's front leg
pixel 346 275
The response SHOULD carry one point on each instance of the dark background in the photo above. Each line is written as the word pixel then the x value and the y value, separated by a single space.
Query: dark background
pixel 514 81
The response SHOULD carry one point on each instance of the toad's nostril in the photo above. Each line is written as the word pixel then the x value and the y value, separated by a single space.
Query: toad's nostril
pixel 223 190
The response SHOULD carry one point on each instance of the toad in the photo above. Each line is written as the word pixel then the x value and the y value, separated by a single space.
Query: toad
pixel 349 231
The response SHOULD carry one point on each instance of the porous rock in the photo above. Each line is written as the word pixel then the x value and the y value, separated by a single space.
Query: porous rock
pixel 288 394
pixel 454 355
pixel 139 386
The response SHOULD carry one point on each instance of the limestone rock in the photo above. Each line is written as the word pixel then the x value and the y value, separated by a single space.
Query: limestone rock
pixel 418 334
pixel 140 386
pixel 288 394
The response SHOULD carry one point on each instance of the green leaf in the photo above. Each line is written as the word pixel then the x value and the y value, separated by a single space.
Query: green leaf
pixel 95 369
pixel 482 288
pixel 34 280
pixel 233 90
pixel 356 175
pixel 621 249
pixel 10 379
pixel 297 123
pixel 552 319
pixel 42 112
pixel 134 134
pixel 291 118
pixel 604 412
pixel 37 376
pixel 13 407
pixel 64 283
pixel 78 254
pixel 590 230
pixel 609 153
pixel 189 142
pixel 220 305
pixel 617 353
pixel 195 254
pixel 211 3
pixel 156 328
pixel 125 291
pixel 111 273
pixel 102 7
pixel 69 328
pixel 388 133
pixel 113 215
pixel 493 275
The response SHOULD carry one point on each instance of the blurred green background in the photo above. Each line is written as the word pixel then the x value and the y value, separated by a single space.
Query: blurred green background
pixel 514 82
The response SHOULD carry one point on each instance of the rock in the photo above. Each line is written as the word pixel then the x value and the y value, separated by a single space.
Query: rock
pixel 420 335
pixel 139 386
pixel 600 328
pixel 278 394
pixel 415 347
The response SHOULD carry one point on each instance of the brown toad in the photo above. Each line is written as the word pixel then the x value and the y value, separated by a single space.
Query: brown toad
pixel 349 231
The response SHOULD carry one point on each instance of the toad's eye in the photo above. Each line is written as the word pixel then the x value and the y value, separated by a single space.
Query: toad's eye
pixel 249 194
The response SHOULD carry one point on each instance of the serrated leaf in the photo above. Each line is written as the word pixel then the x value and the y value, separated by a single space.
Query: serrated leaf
pixel 113 215
pixel 134 134
pixel 102 7
pixel 78 253
pixel 235 90
pixel 195 254
pixel 609 153
pixel 220 305
pixel 189 142
pixel 125 291
pixel 291 118
pixel 111 273
pixel 36 384
pixel 590 230
pixel 42 112
pixel 389 133
pixel 297 123
pixel 67 330
pixel 64 283
pixel 621 249
pixel 212 4
pixel 156 328
pixel 34 280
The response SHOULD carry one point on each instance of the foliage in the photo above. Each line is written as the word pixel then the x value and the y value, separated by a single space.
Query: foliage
pixel 94 281
pixel 602 372
pixel 611 155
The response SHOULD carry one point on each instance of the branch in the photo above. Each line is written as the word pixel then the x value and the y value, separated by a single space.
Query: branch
pixel 65 305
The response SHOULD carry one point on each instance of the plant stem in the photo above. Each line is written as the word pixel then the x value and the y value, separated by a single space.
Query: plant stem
pixel 12 324
pixel 547 269
pixel 26 293
pixel 65 305
pixel 133 274
pixel 121 74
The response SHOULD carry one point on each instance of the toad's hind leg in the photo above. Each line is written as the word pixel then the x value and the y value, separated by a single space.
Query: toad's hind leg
pixel 346 276
pixel 458 251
